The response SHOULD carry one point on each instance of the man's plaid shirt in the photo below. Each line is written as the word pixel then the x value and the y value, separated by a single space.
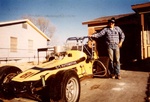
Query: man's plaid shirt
pixel 113 36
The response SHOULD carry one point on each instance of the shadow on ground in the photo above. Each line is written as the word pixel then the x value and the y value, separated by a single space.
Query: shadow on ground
pixel 148 90
pixel 142 65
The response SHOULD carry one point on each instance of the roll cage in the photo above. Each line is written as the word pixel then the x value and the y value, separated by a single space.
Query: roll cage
pixel 83 46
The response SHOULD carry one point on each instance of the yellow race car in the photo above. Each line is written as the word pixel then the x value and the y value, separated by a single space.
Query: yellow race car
pixel 57 80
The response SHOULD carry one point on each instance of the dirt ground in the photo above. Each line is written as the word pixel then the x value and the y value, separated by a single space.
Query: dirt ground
pixel 133 87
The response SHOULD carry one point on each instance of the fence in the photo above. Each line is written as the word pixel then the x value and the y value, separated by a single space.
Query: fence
pixel 23 55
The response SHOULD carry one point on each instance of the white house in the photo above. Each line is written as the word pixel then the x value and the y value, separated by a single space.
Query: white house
pixel 20 39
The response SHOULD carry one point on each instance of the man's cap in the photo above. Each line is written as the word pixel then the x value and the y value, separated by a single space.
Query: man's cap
pixel 112 20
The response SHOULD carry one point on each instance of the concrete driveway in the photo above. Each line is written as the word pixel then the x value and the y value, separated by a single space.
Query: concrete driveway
pixel 131 88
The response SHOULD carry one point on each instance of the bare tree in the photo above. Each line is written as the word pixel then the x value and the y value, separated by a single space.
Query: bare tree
pixel 43 24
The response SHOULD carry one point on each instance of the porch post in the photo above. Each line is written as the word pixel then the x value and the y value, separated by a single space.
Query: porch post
pixel 142 37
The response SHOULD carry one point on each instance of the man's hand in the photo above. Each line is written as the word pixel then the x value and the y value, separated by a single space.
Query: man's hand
pixel 120 44
pixel 90 35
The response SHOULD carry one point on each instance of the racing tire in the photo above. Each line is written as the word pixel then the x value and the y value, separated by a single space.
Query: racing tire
pixel 99 69
pixel 48 92
pixel 67 86
pixel 6 74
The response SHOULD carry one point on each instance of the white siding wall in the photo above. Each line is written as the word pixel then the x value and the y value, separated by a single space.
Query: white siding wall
pixel 22 35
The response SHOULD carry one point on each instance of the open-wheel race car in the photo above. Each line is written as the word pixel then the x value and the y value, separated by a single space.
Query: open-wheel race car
pixel 57 80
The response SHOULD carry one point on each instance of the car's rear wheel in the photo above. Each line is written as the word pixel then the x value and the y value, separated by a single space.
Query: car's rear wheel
pixel 67 86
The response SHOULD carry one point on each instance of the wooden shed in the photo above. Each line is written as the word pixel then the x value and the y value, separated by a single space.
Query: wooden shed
pixel 19 40
pixel 144 11
pixel 136 27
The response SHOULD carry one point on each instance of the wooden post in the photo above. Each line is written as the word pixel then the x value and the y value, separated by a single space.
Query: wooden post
pixel 143 37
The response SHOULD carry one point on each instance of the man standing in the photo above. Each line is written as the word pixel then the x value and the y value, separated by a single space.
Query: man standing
pixel 114 39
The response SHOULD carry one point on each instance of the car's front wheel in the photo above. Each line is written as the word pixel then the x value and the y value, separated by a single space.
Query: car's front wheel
pixel 67 86
pixel 6 74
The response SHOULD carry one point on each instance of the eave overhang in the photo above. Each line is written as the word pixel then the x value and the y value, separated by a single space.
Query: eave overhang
pixel 141 8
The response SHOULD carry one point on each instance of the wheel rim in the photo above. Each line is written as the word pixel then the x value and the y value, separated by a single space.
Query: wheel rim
pixel 9 77
pixel 72 90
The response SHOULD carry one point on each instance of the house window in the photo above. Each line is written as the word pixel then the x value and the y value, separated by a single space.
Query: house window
pixel 30 46
pixel 13 44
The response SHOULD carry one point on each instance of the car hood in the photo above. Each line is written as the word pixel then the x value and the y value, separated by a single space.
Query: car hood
pixel 67 62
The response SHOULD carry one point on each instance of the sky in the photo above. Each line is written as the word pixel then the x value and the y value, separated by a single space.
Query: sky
pixel 66 15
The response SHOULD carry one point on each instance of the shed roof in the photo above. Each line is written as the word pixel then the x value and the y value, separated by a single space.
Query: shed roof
pixel 138 8
pixel 105 19
pixel 24 21
pixel 141 8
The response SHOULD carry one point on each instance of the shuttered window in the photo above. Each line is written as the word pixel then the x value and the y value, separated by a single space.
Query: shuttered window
pixel 30 46
pixel 13 44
